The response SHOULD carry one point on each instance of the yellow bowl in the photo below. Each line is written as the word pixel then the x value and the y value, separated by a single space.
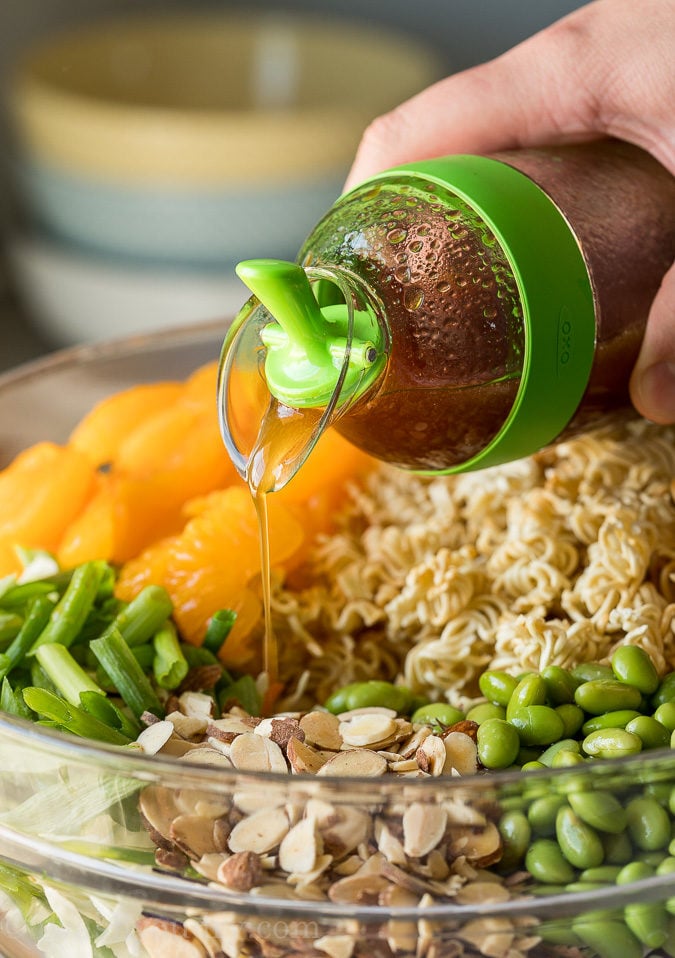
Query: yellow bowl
pixel 203 99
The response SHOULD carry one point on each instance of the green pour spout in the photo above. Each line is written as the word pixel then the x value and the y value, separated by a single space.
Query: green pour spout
pixel 307 346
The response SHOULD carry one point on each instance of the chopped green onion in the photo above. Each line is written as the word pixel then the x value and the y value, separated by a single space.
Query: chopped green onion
pixel 10 625
pixel 70 614
pixel 106 711
pixel 243 692
pixel 169 665
pixel 218 629
pixel 71 719
pixel 36 620
pixel 68 677
pixel 197 655
pixel 146 613
pixel 119 662
pixel 12 702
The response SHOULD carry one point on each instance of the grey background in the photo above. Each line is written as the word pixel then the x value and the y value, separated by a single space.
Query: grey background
pixel 463 33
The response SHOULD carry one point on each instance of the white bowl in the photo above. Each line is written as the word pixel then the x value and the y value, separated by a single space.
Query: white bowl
pixel 76 298
pixel 199 137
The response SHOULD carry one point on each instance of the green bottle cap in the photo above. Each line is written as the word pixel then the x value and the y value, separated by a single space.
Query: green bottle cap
pixel 308 346
pixel 555 291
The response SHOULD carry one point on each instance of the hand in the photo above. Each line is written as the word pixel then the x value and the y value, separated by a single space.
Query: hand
pixel 608 69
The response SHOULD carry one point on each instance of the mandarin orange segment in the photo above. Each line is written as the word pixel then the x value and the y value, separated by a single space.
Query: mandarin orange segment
pixel 91 534
pixel 101 432
pixel 9 560
pixel 41 492
pixel 148 568
pixel 318 487
pixel 201 387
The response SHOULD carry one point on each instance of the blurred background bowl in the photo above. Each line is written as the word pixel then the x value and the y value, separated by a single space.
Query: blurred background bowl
pixel 200 139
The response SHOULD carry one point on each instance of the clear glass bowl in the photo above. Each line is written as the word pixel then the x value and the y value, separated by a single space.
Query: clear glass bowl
pixel 73 842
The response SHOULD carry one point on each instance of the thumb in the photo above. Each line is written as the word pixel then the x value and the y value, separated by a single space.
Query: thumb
pixel 653 381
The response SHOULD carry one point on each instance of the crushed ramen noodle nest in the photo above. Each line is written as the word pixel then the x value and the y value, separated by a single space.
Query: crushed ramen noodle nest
pixel 552 560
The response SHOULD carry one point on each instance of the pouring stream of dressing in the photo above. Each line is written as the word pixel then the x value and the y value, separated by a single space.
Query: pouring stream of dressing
pixel 284 432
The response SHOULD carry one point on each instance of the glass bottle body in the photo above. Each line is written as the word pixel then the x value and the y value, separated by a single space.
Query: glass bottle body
pixel 454 309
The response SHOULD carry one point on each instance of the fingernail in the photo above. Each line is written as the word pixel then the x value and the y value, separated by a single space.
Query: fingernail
pixel 656 387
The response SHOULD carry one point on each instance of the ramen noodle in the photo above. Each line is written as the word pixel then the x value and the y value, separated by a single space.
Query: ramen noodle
pixel 552 560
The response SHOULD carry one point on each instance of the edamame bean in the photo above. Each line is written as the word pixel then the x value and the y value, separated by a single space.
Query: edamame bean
pixel 498 743
pixel 516 833
pixel 485 710
pixel 666 866
pixel 634 872
pixel 606 695
pixel 611 743
pixel 566 758
pixel 532 767
pixel 665 691
pixel 618 848
pixel 550 753
pixel 618 719
pixel 542 814
pixel 604 874
pixel 547 864
pixel 537 724
pixel 632 665
pixel 600 810
pixel 660 791
pixel 651 733
pixel 437 713
pixel 374 692
pixel 497 687
pixel 560 685
pixel 589 671
pixel 648 921
pixel 572 718
pixel 648 824
pixel 608 938
pixel 531 690
pixel 665 714
pixel 578 842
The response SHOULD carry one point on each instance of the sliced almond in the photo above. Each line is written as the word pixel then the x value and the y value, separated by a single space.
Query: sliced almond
pixel 347 833
pixel 300 848
pixel 196 705
pixel 322 729
pixel 477 892
pixel 169 942
pixel 411 743
pixel 194 835
pixel 228 727
pixel 253 800
pixel 480 847
pixel 357 889
pixel 260 832
pixel 207 756
pixel 391 847
pixel 254 753
pixel 423 828
pixel 153 738
pixel 158 808
pixel 186 726
pixel 364 730
pixel 404 765
pixel 304 759
pixel 461 754
pixel 336 946
pixel 431 756
pixel 367 710
pixel 355 763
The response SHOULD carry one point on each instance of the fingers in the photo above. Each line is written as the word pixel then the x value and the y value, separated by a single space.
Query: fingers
pixel 602 70
pixel 531 95
pixel 653 380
